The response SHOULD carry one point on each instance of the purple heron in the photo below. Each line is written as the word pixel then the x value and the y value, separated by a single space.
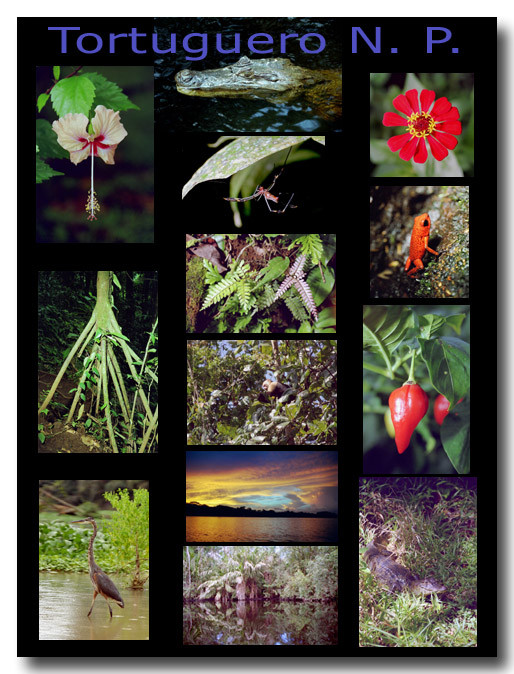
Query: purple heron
pixel 102 584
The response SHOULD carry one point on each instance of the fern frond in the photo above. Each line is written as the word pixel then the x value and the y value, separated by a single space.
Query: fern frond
pixel 306 295
pixel 243 292
pixel 295 306
pixel 312 245
pixel 217 292
pixel 227 285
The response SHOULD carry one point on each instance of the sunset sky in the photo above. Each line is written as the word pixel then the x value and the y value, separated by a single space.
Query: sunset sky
pixel 278 480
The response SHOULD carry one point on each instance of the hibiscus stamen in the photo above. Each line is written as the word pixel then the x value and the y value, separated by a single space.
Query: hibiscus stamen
pixel 92 205
pixel 105 135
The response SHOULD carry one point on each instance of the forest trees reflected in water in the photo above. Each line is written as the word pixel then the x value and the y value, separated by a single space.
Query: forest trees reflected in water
pixel 260 595
pixel 261 624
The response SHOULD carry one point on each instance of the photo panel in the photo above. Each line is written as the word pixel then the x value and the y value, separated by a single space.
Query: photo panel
pixel 307 529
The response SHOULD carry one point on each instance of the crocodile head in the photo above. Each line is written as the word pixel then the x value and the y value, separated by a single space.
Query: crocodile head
pixel 259 77
pixel 426 586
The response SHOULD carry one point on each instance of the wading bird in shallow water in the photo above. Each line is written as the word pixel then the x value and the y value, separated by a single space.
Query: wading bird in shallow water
pixel 102 584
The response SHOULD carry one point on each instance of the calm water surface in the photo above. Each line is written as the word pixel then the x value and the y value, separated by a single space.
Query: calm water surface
pixel 65 599
pixel 261 624
pixel 261 529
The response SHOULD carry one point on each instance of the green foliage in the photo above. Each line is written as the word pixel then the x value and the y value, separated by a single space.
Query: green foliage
pixel 231 283
pixel 425 522
pixel 225 380
pixel 64 548
pixel 311 245
pixel 391 335
pixel 76 93
pixel 129 530
pixel 292 572
pixel 247 297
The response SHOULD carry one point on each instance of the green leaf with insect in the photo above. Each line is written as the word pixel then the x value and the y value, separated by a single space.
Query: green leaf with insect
pixel 242 153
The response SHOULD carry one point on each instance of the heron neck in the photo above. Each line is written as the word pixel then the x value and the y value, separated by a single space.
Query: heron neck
pixel 90 555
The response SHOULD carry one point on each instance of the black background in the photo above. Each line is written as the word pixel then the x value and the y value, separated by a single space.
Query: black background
pixel 335 199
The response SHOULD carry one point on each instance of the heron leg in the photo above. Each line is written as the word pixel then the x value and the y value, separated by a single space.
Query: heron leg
pixel 110 609
pixel 95 595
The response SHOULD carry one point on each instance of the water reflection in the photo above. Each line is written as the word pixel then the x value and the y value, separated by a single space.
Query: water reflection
pixel 261 529
pixel 65 599
pixel 261 624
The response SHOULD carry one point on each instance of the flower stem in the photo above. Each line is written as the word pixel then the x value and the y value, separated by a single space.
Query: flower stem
pixel 412 363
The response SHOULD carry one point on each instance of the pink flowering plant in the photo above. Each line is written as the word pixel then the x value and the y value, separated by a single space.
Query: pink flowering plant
pixel 422 128
pixel 88 125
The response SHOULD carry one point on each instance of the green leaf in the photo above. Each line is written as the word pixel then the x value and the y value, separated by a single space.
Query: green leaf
pixel 431 323
pixel 447 360
pixel 379 151
pixel 44 172
pixel 109 93
pixel 385 327
pixel 326 319
pixel 41 101
pixel 46 138
pixel 320 289
pixel 74 94
pixel 276 267
pixel 455 438
pixel 115 280
pixel 57 72
pixel 240 154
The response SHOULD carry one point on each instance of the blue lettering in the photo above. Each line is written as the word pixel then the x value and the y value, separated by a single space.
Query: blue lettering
pixel 356 31
pixel 253 43
pixel 202 50
pixel 64 49
pixel 237 44
pixel 431 41
pixel 322 43
pixel 80 40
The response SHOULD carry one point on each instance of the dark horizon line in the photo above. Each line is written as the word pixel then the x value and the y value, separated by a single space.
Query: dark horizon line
pixel 243 511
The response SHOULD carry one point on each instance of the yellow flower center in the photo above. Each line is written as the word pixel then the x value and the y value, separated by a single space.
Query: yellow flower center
pixel 421 124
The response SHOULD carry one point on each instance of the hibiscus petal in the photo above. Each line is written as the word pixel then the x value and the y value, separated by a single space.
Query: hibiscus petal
pixel 107 123
pixel 427 98
pixel 421 154
pixel 412 97
pixel 79 155
pixel 71 131
pixel 448 141
pixel 107 154
pixel 438 150
pixel 402 105
pixel 392 119
pixel 408 150
pixel 396 142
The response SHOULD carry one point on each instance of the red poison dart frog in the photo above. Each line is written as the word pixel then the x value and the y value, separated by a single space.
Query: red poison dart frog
pixel 419 244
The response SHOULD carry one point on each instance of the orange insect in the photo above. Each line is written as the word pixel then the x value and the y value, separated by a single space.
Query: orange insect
pixel 419 244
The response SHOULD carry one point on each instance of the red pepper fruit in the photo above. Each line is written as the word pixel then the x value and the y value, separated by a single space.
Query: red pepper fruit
pixel 441 405
pixel 408 406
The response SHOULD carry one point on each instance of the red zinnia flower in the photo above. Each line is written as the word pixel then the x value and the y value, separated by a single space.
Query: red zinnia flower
pixel 436 126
